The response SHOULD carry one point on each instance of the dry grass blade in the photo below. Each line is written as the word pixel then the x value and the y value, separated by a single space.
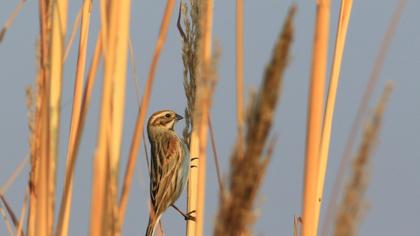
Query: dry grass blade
pixel 104 199
pixel 240 66
pixel 353 201
pixel 74 134
pixel 23 213
pixel 38 125
pixel 48 163
pixel 216 157
pixel 206 80
pixel 11 19
pixel 12 214
pixel 361 111
pixel 314 117
pixel 342 27
pixel 9 211
pixel 76 26
pixel 249 160
pixel 13 176
pixel 135 143
pixel 6 221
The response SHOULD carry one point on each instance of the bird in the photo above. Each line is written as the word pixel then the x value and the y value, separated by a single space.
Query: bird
pixel 169 165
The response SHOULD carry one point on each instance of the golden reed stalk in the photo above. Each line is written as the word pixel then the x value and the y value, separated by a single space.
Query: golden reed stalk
pixel 240 66
pixel 342 27
pixel 202 107
pixel 315 113
pixel 104 203
pixel 367 94
pixel 74 134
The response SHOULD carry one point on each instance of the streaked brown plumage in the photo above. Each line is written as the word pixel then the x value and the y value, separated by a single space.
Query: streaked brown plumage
pixel 169 164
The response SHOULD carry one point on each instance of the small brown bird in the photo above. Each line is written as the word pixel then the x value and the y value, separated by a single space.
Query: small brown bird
pixel 169 164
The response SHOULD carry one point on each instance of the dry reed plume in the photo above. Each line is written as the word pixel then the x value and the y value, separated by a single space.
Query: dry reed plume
pixel 353 202
pixel 249 160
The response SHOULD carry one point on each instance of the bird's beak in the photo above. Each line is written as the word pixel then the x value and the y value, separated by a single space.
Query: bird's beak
pixel 178 117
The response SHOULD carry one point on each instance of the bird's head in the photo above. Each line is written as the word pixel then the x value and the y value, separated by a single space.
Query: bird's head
pixel 163 121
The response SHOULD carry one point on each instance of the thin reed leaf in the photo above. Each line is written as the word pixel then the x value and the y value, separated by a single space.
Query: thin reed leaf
pixel 136 139
pixel 64 211
pixel 9 210
pixel 19 231
pixel 315 117
pixel 240 66
pixel 11 19
pixel 342 27
pixel 6 221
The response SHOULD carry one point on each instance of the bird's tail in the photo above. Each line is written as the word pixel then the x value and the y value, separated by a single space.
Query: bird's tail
pixel 151 227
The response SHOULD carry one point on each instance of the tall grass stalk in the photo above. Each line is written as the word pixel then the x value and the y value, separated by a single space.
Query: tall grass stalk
pixel 104 203
pixel 314 119
pixel 205 88
pixel 342 27
pixel 190 41
pixel 240 66
pixel 64 211
pixel 361 112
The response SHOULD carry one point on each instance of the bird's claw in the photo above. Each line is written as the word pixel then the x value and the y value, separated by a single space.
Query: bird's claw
pixel 189 216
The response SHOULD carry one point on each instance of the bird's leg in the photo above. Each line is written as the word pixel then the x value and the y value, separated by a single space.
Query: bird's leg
pixel 187 216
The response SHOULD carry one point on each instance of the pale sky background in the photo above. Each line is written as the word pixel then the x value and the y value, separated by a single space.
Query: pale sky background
pixel 394 186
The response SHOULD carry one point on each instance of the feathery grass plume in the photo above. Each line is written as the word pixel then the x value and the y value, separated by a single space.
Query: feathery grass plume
pixel 351 208
pixel 249 160
pixel 190 40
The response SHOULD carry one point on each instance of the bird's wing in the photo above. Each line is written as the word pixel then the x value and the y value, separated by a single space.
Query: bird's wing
pixel 165 174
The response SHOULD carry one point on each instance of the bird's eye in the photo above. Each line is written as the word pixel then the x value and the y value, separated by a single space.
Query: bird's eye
pixel 168 115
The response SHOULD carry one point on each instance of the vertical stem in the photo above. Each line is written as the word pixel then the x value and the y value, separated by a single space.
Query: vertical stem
pixel 239 65
pixel 332 92
pixel 48 162
pixel 314 123
pixel 64 216
pixel 207 23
